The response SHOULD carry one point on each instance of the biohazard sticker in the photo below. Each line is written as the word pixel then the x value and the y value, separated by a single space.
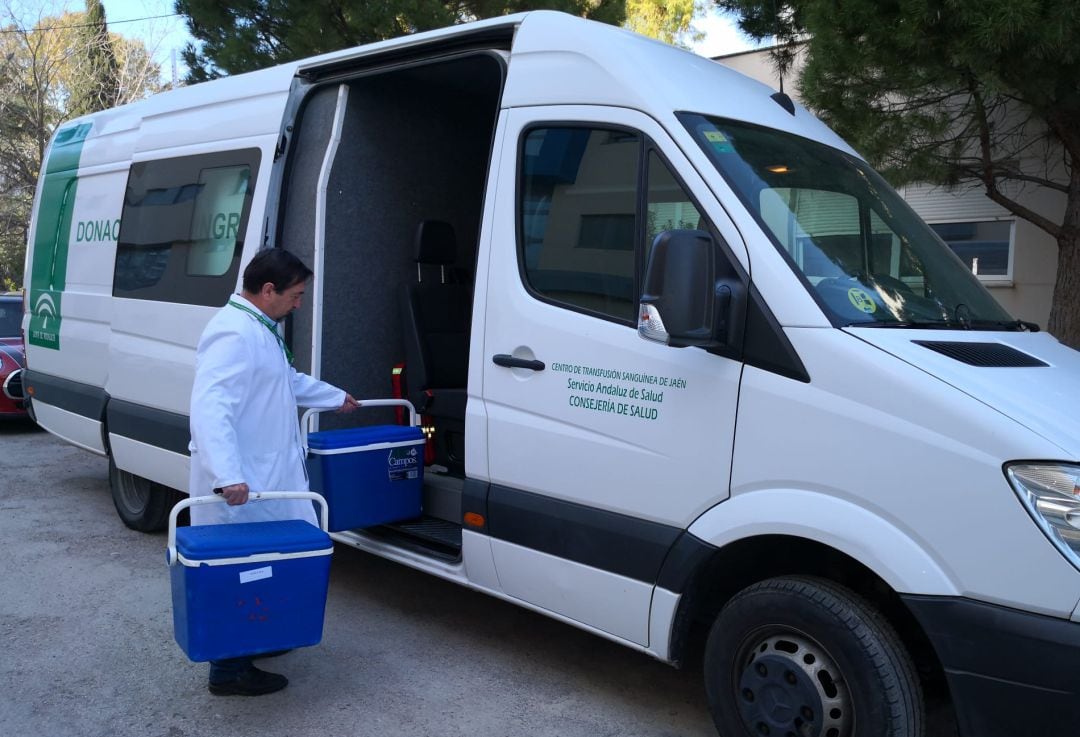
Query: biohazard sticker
pixel 862 300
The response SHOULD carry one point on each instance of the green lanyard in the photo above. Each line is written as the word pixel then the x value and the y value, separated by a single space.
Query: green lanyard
pixel 270 325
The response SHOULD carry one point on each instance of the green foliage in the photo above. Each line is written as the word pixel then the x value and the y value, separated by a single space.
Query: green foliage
pixel 71 66
pixel 951 92
pixel 915 84
pixel 99 85
pixel 235 36
pixel 666 20
pixel 242 35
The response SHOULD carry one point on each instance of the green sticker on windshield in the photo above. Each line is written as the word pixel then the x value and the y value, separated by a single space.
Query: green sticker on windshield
pixel 719 141
pixel 862 300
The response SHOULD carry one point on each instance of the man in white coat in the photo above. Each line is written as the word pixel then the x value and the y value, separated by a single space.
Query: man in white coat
pixel 244 431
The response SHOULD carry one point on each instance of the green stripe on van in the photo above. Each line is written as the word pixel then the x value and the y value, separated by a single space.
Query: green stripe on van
pixel 48 270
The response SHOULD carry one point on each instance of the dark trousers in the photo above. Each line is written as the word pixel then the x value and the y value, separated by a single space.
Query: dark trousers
pixel 222 671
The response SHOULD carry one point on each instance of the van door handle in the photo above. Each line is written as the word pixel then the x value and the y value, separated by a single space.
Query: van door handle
pixel 505 359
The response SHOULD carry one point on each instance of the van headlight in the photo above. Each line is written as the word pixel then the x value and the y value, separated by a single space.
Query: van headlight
pixel 1051 493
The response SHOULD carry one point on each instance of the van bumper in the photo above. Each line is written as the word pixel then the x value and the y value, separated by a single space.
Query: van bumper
pixel 1010 673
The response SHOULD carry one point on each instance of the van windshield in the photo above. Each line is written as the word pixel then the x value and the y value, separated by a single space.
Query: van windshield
pixel 864 254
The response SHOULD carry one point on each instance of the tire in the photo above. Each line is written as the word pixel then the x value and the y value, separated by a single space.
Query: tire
pixel 142 504
pixel 804 657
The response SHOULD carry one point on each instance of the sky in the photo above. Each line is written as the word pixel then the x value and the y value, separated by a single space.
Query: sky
pixel 166 36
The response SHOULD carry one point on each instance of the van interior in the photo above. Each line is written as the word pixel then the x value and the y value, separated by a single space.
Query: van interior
pixel 404 199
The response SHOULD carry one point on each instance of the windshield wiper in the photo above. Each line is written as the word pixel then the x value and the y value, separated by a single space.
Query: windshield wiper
pixel 920 324
pixel 1016 325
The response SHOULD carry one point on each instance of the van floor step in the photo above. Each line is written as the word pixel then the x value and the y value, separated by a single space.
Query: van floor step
pixel 433 535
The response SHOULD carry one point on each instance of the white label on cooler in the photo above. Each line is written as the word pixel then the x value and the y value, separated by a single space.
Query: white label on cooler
pixel 256 574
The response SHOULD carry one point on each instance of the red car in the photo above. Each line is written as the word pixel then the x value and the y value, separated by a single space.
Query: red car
pixel 12 357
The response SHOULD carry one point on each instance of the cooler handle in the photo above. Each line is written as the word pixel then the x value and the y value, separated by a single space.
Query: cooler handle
pixel 254 496
pixel 309 415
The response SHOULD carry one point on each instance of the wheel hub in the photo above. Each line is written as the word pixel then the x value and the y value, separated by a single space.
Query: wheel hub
pixel 790 687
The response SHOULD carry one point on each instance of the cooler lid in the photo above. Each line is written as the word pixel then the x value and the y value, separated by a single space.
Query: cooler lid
pixel 210 542
pixel 357 436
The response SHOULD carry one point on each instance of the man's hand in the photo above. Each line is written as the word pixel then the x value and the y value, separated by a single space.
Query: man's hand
pixel 349 404
pixel 235 494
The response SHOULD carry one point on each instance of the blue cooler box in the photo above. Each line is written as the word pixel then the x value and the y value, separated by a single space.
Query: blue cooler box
pixel 369 475
pixel 244 589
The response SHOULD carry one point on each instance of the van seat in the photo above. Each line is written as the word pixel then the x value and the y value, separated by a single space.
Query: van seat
pixel 436 314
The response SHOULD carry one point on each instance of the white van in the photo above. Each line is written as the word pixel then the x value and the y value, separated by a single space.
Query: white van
pixel 700 381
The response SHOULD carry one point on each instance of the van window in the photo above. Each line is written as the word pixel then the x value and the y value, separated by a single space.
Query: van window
pixel 863 253
pixel 578 217
pixel 669 206
pixel 182 227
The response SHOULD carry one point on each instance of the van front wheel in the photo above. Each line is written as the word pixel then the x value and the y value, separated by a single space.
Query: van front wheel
pixel 142 504
pixel 803 656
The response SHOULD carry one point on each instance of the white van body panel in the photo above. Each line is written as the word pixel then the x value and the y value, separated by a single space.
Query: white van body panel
pixel 615 604
pixel 848 527
pixel 245 106
pixel 153 346
pixel 1049 403
pixel 74 428
pixel 479 563
pixel 149 461
pixel 920 456
pixel 604 65
pixel 456 574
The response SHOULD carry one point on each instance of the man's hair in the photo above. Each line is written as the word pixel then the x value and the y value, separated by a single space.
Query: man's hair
pixel 277 266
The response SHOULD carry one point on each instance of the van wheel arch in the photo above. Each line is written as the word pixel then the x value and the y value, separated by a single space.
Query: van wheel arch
pixel 800 654
pixel 142 504
pixel 737 566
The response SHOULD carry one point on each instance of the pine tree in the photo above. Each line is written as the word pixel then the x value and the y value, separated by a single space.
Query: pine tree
pixel 101 88
pixel 951 91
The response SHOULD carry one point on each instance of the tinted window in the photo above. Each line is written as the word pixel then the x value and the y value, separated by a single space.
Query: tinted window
pixel 579 217
pixel 182 227
pixel 669 207
pixel 10 317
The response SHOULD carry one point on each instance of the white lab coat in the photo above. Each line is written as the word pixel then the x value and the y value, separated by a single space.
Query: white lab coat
pixel 244 424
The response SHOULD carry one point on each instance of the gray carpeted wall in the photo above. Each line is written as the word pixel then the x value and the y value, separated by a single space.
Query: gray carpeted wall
pixel 298 225
pixel 414 146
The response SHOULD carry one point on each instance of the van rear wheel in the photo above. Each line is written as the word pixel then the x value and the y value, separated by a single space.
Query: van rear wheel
pixel 142 504
pixel 804 657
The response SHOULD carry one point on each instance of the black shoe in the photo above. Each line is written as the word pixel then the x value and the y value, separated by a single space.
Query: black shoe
pixel 252 682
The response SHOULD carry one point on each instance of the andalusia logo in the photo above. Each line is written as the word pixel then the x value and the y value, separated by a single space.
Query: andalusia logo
pixel 45 322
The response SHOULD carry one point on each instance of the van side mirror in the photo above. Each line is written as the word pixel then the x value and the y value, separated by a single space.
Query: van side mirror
pixel 683 301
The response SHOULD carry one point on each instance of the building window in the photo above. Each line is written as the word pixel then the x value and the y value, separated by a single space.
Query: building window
pixel 985 246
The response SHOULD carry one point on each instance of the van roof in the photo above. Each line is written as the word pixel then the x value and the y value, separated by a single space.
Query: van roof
pixel 555 58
